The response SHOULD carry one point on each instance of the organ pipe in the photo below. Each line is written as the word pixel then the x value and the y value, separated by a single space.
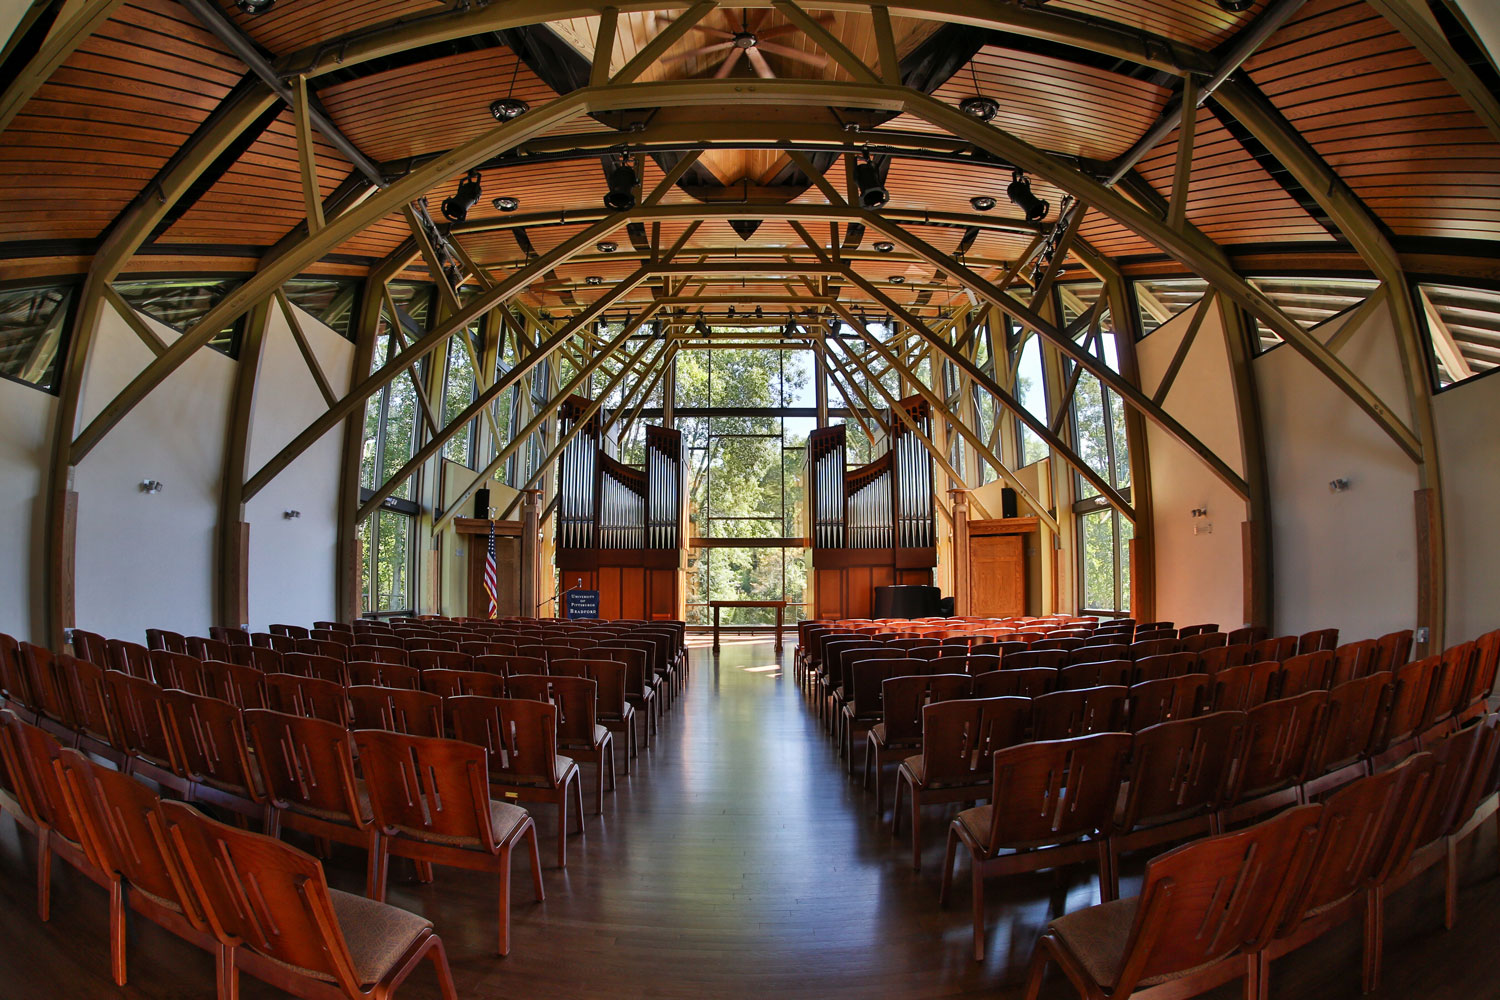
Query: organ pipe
pixel 605 504
pixel 886 504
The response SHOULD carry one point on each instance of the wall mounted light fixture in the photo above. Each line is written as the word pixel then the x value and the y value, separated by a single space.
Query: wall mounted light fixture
pixel 151 486
pixel 1338 485
pixel 289 514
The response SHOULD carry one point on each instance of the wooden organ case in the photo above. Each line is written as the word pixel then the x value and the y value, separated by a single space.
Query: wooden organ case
pixel 871 526
pixel 619 528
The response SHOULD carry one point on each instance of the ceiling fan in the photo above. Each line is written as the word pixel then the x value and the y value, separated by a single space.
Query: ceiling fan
pixel 750 42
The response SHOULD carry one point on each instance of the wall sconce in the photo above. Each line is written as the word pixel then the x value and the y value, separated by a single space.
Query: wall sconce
pixel 289 514
pixel 1338 485
pixel 152 486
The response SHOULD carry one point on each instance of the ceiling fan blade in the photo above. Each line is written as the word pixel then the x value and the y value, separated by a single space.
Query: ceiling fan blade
pixel 786 29
pixel 811 58
pixel 759 62
pixel 728 64
pixel 700 51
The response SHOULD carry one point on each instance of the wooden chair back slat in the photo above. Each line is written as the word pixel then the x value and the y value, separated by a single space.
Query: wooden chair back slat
pixel 1064 714
pixel 396 709
pixel 520 735
pixel 959 736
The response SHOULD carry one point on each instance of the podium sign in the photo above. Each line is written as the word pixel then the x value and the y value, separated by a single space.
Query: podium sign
pixel 581 604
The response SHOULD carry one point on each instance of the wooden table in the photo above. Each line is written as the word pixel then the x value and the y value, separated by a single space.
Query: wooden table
pixel 780 607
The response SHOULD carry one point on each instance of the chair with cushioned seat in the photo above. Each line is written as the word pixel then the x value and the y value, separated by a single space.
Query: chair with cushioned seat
pixel 214 753
pixel 431 802
pixel 580 735
pixel 287 927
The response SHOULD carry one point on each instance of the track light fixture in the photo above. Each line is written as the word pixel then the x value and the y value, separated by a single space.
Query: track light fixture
pixel 505 203
pixel 760 313
pixel 508 108
pixel 701 328
pixel 982 108
pixel 731 312
pixel 884 246
pixel 606 246
pixel 253 7
pixel 982 202
pixel 1236 6
pixel 621 181
pixel 456 208
pixel 1019 192
pixel 872 193
pixel 790 331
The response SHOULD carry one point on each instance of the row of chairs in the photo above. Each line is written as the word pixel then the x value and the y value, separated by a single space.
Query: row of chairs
pixel 258 904
pixel 1225 907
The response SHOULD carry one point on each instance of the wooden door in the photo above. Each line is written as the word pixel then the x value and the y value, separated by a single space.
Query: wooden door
pixel 997 575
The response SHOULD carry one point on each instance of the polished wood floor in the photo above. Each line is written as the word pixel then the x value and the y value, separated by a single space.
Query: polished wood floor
pixel 736 861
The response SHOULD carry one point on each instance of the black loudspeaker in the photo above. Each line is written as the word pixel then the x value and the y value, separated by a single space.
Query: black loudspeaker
pixel 1007 502
pixel 482 505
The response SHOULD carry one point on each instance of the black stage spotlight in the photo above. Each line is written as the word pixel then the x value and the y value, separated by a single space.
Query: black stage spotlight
pixel 621 180
pixel 1034 208
pixel 505 203
pixel 508 108
pixel 456 209
pixel 884 246
pixel 701 328
pixel 760 313
pixel 790 331
pixel 872 193
pixel 982 202
pixel 982 108
pixel 254 6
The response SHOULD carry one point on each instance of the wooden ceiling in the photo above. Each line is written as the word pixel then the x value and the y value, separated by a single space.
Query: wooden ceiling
pixel 99 131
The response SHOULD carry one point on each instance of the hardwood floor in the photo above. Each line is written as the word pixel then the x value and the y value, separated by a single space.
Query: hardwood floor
pixel 736 861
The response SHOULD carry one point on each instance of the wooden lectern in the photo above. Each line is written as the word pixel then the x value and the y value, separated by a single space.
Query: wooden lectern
pixel 517 576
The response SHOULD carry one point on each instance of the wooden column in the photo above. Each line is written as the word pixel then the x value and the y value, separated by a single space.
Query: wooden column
pixel 960 551
pixel 530 552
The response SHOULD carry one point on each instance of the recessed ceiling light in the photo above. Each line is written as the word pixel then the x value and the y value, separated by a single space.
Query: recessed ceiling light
pixel 982 202
pixel 254 6
pixel 982 108
pixel 508 108
pixel 606 246
pixel 898 279
pixel 885 246
pixel 505 203
pixel 594 279
pixel 1235 6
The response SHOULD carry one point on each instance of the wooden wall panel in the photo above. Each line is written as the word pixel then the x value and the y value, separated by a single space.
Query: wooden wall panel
pixel 291 26
pixel 997 575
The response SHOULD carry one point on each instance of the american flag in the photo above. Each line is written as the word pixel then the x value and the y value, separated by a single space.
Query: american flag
pixel 489 574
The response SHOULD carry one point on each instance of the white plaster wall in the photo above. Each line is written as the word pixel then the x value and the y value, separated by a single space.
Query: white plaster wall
pixel 1199 577
pixel 1467 418
pixel 148 560
pixel 1484 16
pixel 294 562
pixel 10 16
pixel 27 415
pixel 1346 560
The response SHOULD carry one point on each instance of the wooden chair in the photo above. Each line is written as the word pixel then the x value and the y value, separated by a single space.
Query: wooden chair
pixel 276 641
pixel 262 658
pixel 143 734
pixel 1163 665
pixel 1355 712
pixel 1352 660
pixel 1062 715
pixel 89 646
pixel 29 753
pixel 1482 679
pixel 341 636
pixel 638 690
pixel 84 692
pixel 1278 749
pixel 615 713
pixel 323 647
pixel 1305 672
pixel 862 709
pixel 898 734
pixel 317 665
pixel 391 675
pixel 1188 631
pixel 309 697
pixel 1143 648
pixel 1053 659
pixel 1236 689
pixel 1248 635
pixel 373 653
pixel 207 649
pixel 287 927
pixel 128 657
pixel 579 732
pixel 1318 640
pixel 1411 701
pixel 307 771
pixel 214 754
pixel 1280 648
pixel 49 699
pixel 291 631
pixel 1198 642
pixel 954 766
pixel 1181 775
pixel 431 802
pixel 229 636
pixel 1392 650
pixel 1096 674
pixel 1030 682
pixel 451 683
pixel 241 685
pixel 1217 658
pixel 179 670
pixel 521 737
pixel 440 659
pixel 1356 839
pixel 1166 699
pixel 1202 907
pixel 399 710
pixel 160 638
pixel 124 820
pixel 1052 803
pixel 13 682
pixel 507 664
